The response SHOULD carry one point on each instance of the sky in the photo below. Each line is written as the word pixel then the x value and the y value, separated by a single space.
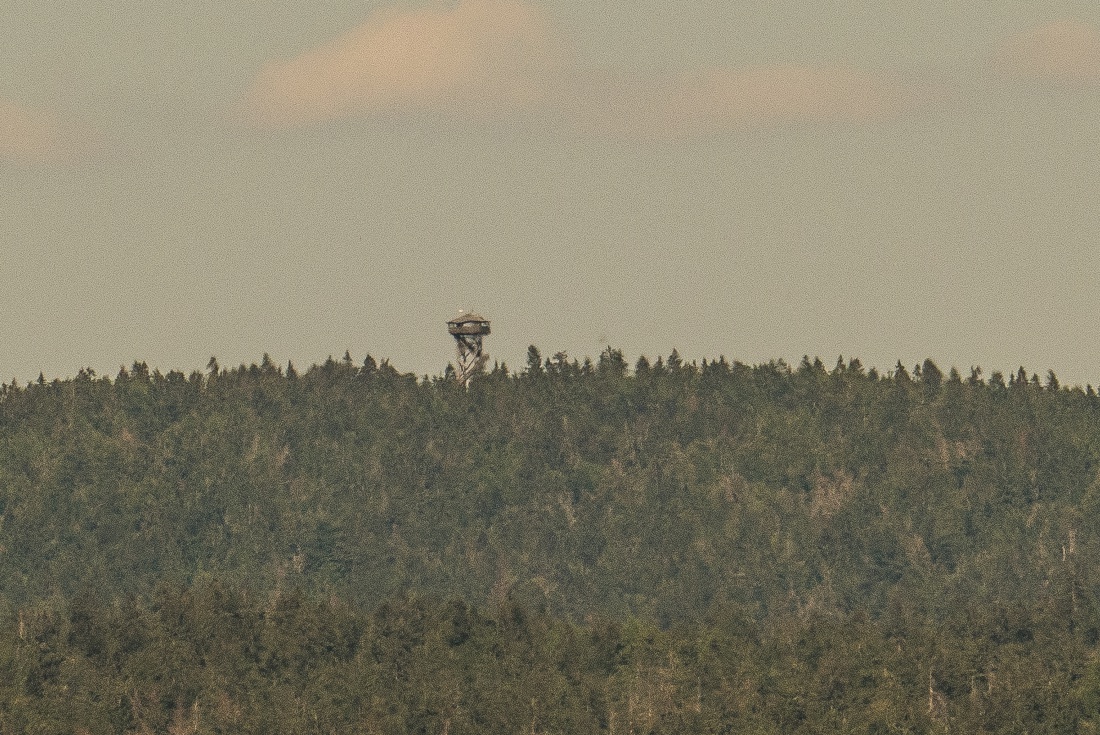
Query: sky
pixel 882 180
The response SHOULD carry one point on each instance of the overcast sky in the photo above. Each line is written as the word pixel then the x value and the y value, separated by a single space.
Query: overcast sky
pixel 767 179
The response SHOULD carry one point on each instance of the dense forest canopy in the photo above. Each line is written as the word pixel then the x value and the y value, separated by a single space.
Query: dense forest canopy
pixel 576 547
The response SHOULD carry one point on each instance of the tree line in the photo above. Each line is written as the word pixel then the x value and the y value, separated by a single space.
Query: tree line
pixel 913 543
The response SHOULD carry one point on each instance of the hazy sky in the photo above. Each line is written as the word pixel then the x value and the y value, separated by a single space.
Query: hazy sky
pixel 756 179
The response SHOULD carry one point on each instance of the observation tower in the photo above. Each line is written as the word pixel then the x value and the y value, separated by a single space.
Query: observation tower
pixel 469 331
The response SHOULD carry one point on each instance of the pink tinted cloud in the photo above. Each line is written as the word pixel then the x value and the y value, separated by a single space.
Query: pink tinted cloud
pixel 477 55
pixel 27 134
pixel 716 99
pixel 484 59
pixel 32 135
pixel 1063 52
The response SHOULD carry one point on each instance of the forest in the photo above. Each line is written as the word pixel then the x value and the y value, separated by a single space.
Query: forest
pixel 577 546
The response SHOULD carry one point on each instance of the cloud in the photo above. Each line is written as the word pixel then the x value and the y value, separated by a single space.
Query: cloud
pixel 32 135
pixel 718 99
pixel 27 135
pixel 479 56
pixel 486 59
pixel 1064 52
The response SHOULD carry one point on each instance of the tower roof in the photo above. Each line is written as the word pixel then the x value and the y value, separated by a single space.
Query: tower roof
pixel 466 318
pixel 468 324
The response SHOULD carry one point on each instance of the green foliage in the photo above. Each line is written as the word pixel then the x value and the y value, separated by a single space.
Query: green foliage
pixel 677 548
pixel 217 658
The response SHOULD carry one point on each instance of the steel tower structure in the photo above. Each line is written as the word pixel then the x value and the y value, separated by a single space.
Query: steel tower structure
pixel 469 331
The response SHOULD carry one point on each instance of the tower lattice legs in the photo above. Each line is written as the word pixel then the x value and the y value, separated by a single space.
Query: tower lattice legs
pixel 471 358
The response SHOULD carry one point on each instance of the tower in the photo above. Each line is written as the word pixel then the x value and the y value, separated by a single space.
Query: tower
pixel 469 330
